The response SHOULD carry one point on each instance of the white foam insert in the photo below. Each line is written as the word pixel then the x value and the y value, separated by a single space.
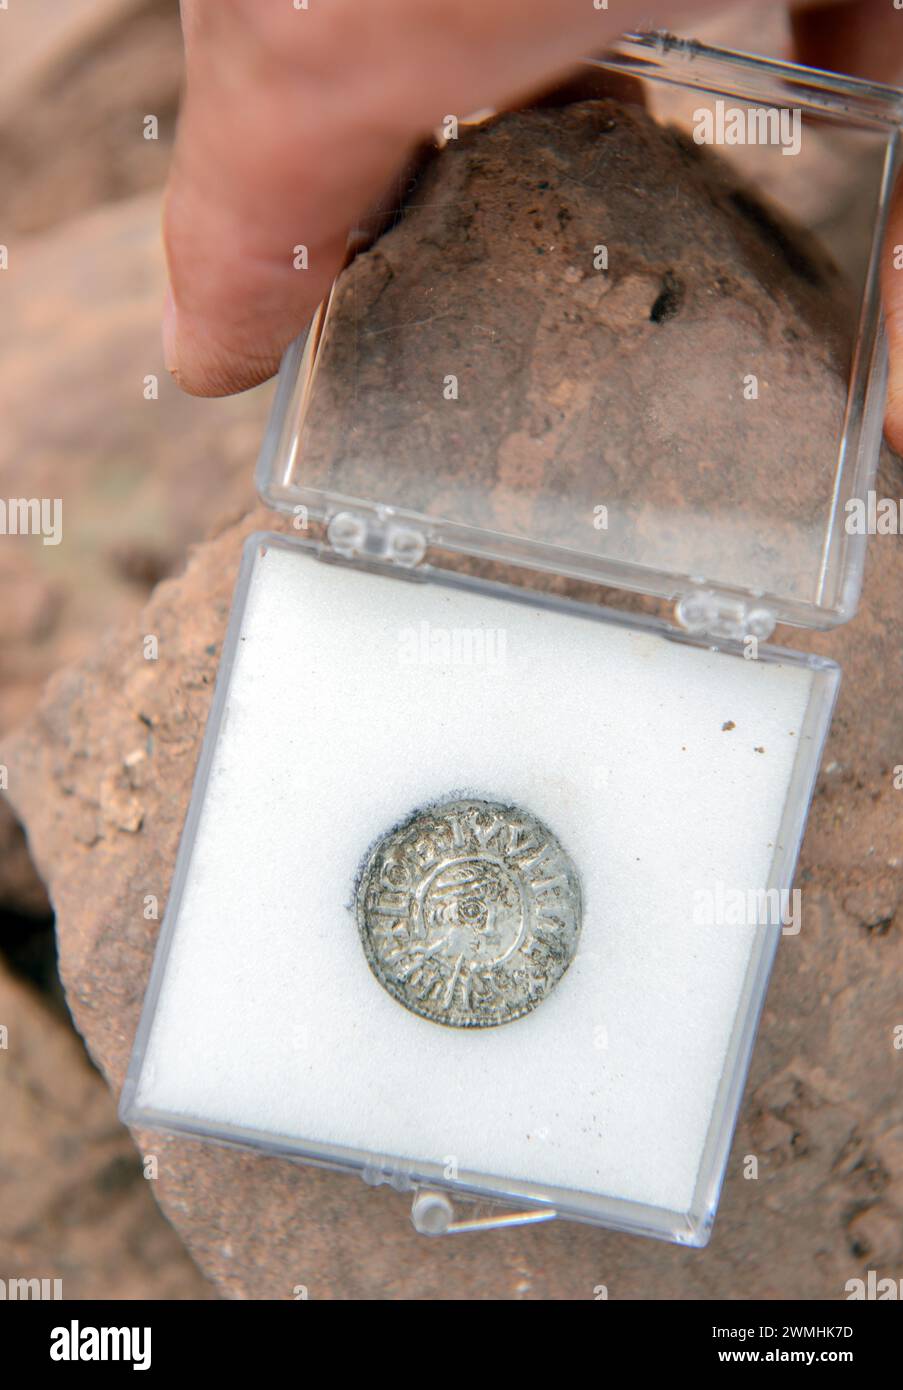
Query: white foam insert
pixel 269 1017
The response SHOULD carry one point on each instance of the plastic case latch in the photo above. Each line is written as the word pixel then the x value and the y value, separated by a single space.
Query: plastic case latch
pixel 433 1214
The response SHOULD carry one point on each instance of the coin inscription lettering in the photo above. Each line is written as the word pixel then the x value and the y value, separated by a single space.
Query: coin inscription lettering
pixel 469 913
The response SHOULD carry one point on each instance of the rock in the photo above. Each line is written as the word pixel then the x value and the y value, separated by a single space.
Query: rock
pixel 139 476
pixel 823 1108
pixel 568 294
pixel 101 776
pixel 40 34
pixel 74 1204
pixel 875 1234
pixel 832 186
pixel 73 104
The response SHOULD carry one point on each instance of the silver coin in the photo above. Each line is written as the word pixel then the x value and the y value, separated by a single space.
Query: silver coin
pixel 469 913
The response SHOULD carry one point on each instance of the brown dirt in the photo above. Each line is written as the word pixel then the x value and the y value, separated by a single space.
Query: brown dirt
pixel 102 778
pixel 74 1203
pixel 101 775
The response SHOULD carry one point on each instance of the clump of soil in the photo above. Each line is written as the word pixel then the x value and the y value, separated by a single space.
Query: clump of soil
pixel 584 330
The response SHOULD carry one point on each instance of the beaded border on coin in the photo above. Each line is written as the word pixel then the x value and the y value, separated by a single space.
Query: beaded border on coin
pixel 469 912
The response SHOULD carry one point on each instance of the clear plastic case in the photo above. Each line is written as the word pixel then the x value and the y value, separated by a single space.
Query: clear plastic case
pixel 733 498
pixel 737 515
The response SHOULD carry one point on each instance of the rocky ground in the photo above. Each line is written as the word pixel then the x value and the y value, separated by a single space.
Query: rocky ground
pixel 140 479
pixel 102 777
pixel 100 774
pixel 76 1205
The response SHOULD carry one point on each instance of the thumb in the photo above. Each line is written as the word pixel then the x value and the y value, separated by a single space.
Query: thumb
pixel 268 173
pixel 296 120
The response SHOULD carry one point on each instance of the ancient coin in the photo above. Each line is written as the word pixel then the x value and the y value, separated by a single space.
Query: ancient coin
pixel 469 912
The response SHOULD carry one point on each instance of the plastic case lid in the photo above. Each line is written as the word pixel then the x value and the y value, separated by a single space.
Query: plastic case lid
pixel 663 370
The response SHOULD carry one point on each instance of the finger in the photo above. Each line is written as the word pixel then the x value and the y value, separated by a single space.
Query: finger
pixel 259 199
pixel 865 38
pixel 294 122
pixel 892 294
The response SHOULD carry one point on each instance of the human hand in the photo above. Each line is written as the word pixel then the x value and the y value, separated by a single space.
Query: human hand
pixel 295 121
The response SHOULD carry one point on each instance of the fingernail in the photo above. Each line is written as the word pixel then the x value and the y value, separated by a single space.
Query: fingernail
pixel 170 332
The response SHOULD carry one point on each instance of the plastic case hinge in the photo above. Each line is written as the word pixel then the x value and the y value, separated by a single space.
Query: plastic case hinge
pixel 704 612
pixel 376 537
